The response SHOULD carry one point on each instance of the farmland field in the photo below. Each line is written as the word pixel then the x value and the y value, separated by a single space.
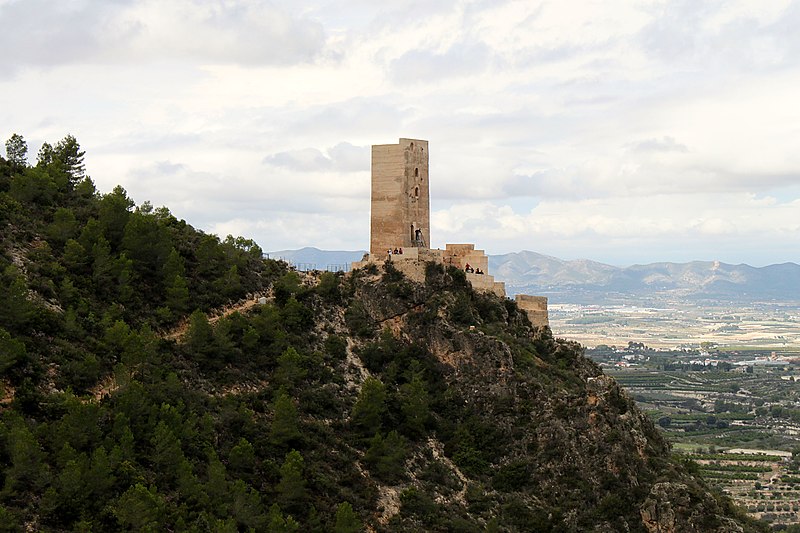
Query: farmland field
pixel 728 399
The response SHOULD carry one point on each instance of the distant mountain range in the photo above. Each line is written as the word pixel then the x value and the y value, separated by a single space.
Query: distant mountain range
pixel 321 258
pixel 533 273
pixel 587 281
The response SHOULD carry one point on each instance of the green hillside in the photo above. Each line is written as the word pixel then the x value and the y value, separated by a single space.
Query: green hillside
pixel 145 388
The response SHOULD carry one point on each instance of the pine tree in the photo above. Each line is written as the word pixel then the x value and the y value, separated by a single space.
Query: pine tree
pixel 277 523
pixel 63 227
pixel 167 453
pixel 415 406
pixel 102 267
pixel 346 520
pixel 369 407
pixel 177 295
pixel 69 153
pixel 27 470
pixel 290 369
pixel 285 425
pixel 217 486
pixel 139 508
pixel 292 486
pixel 242 458
pixel 246 506
pixel 386 457
pixel 200 336
pixel 17 151
pixel 12 351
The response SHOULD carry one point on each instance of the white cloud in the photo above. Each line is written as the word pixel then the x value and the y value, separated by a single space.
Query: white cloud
pixel 692 225
pixel 240 32
pixel 616 130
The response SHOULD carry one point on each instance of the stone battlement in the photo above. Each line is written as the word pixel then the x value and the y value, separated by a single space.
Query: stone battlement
pixel 535 307
pixel 412 264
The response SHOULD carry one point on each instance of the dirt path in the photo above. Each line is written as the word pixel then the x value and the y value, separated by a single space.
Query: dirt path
pixel 109 384
pixel 178 332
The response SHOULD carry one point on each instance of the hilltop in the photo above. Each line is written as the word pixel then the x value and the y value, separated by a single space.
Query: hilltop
pixel 158 378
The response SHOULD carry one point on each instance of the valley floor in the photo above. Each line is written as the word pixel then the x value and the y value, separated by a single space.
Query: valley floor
pixel 671 324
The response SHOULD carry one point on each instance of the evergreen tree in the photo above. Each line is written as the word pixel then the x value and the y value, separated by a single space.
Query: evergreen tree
pixel 199 336
pixel 103 264
pixel 33 186
pixel 63 227
pixel 230 284
pixel 386 457
pixel 75 257
pixel 415 406
pixel 100 478
pixel 17 151
pixel 277 523
pixel 140 509
pixel 167 453
pixel 85 189
pixel 290 369
pixel 242 458
pixel 177 296
pixel 346 520
pixel 296 316
pixel 173 266
pixel 12 351
pixel 46 155
pixel 246 506
pixel 285 426
pixel 292 485
pixel 369 407
pixel 69 153
pixel 27 469
pixel 217 486
pixel 114 213
pixel 286 286
pixel 71 486
pixel 17 311
pixel 123 269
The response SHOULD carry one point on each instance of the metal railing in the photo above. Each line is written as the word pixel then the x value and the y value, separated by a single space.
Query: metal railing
pixel 309 267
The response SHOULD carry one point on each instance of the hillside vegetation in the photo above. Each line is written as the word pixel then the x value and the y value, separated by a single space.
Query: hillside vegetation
pixel 345 403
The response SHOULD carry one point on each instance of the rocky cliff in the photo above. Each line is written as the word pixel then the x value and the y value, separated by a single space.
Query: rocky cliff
pixel 534 437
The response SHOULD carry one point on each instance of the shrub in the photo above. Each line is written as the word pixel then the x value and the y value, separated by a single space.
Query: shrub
pixel 461 310
pixel 328 287
pixel 336 347
pixel 358 320
pixel 386 457
pixel 418 503
pixel 390 273
pixel 511 477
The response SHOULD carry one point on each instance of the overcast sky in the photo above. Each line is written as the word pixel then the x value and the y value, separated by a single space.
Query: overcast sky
pixel 621 131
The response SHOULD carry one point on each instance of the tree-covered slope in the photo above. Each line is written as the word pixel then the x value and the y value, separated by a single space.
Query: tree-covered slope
pixel 345 402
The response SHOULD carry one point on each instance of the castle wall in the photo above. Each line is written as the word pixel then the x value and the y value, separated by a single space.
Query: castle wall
pixel 400 196
pixel 461 255
pixel 486 283
pixel 535 307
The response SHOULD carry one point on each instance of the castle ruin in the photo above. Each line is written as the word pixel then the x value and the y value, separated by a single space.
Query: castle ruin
pixel 400 225
pixel 400 209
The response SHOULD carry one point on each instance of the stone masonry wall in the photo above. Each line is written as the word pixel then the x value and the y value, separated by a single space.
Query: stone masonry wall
pixel 536 307
pixel 400 195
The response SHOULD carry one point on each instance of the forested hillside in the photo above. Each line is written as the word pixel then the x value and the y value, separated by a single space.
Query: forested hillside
pixel 345 403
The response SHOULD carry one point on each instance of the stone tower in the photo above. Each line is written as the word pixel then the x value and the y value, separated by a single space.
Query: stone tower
pixel 400 209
